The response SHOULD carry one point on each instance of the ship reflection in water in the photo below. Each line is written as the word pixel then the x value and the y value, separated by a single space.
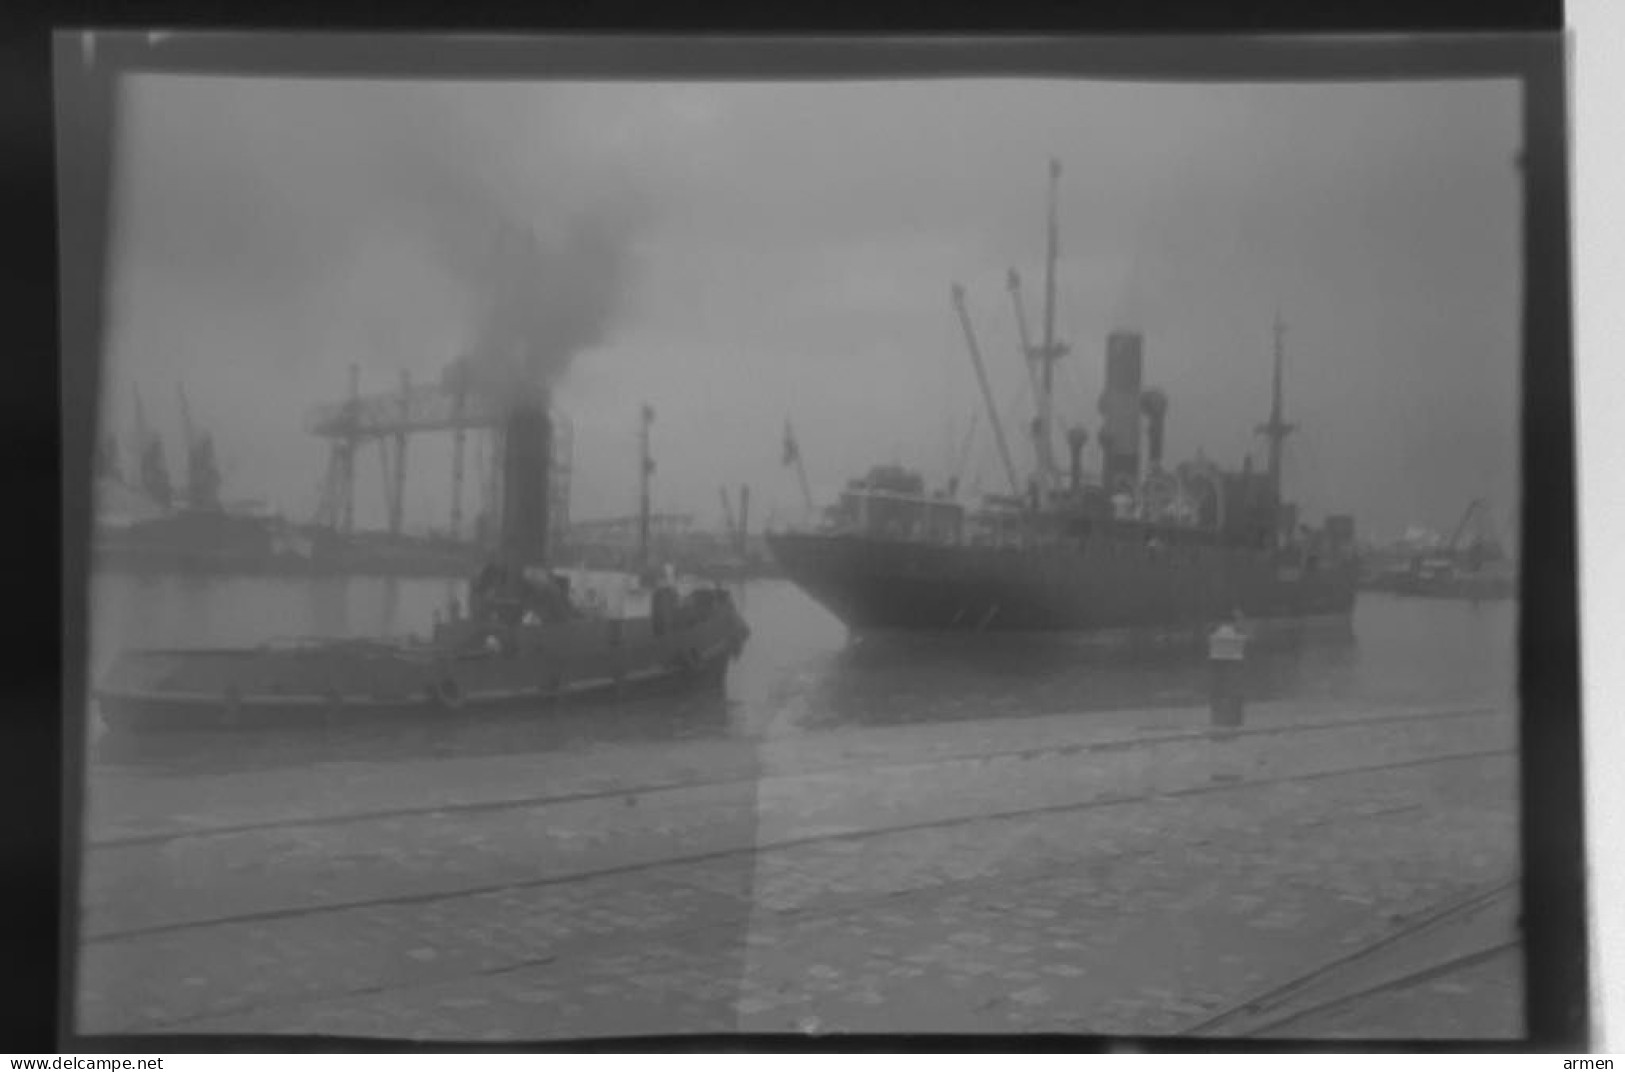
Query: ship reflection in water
pixel 799 675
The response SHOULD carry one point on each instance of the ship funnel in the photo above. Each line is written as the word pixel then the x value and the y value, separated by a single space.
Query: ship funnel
pixel 1076 437
pixel 527 447
pixel 1154 404
pixel 1120 407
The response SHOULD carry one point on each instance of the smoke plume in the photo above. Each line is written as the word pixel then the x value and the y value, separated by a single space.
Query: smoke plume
pixel 271 196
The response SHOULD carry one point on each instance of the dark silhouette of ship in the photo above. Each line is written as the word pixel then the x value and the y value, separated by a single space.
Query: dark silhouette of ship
pixel 1138 549
pixel 148 523
pixel 524 639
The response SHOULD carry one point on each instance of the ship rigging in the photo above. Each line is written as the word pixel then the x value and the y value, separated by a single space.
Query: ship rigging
pixel 1144 546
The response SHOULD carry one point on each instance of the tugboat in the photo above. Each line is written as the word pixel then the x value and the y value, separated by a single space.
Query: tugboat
pixel 525 640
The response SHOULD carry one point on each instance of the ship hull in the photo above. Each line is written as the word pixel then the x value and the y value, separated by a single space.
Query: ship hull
pixel 1099 587
pixel 325 684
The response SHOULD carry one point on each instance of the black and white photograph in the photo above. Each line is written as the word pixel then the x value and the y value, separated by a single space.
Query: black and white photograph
pixel 618 557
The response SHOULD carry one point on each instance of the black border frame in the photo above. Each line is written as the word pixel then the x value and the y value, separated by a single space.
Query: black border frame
pixel 1558 1014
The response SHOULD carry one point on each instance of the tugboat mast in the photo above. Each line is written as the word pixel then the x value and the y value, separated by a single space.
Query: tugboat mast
pixel 646 468
pixel 1276 429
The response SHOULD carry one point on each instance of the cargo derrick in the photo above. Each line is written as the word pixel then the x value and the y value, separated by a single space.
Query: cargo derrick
pixel 1148 546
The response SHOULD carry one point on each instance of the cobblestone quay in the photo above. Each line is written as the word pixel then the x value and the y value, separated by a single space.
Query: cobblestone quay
pixel 1114 873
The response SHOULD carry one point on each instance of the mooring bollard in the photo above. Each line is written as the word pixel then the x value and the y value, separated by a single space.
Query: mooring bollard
pixel 1227 660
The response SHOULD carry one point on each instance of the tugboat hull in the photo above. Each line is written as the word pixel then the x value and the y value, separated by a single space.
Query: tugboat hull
pixel 343 681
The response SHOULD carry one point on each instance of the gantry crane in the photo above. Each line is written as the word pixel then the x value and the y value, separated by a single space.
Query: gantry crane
pixel 727 512
pixel 459 403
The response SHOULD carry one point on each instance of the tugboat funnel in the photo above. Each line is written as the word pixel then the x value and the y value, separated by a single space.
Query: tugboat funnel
pixel 527 444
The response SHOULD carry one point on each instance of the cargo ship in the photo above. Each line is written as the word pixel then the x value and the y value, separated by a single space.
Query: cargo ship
pixel 524 638
pixel 1137 549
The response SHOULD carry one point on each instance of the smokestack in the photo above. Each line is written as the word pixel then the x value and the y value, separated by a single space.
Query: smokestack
pixel 744 517
pixel 1154 404
pixel 1120 406
pixel 527 447
pixel 1076 438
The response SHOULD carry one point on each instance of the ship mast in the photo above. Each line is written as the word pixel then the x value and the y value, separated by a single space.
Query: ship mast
pixel 646 469
pixel 1276 429
pixel 1052 350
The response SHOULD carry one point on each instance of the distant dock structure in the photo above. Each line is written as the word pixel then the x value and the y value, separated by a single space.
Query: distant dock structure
pixel 457 405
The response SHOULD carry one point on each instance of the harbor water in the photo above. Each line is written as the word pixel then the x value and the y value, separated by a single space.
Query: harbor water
pixel 800 673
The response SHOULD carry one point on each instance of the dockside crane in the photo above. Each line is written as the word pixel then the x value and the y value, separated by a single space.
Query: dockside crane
pixel 138 433
pixel 958 294
pixel 186 417
pixel 202 471
pixel 1474 507
pixel 1483 544
pixel 792 456
pixel 728 512
pixel 154 470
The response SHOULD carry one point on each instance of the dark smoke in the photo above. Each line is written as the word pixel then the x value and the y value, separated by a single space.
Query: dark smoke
pixel 265 191
pixel 547 297
pixel 544 250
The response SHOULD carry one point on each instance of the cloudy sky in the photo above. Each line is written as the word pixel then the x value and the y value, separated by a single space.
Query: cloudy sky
pixel 736 254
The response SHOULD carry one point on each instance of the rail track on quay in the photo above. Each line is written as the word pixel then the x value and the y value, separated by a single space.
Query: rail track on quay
pixel 1240 785
pixel 1327 988
pixel 837 906
pixel 1103 745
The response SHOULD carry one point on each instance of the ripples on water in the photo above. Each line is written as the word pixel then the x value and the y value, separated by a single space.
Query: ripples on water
pixel 798 675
